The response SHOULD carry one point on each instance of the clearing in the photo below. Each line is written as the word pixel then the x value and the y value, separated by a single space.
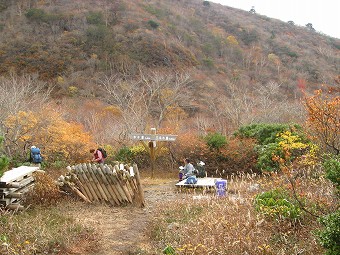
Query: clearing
pixel 123 230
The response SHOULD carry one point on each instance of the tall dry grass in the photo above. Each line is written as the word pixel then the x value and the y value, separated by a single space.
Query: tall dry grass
pixel 42 230
pixel 230 224
pixel 43 227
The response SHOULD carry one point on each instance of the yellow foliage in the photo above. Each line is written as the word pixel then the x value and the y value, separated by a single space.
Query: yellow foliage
pixel 60 80
pixel 57 138
pixel 72 90
pixel 232 40
pixel 19 126
pixel 274 58
pixel 113 110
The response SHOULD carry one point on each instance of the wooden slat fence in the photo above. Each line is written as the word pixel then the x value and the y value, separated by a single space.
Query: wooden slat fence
pixel 116 185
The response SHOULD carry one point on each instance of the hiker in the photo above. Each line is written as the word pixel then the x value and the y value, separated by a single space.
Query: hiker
pixel 35 155
pixel 188 169
pixel 97 156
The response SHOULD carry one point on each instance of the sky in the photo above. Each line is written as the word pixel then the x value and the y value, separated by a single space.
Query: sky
pixel 324 15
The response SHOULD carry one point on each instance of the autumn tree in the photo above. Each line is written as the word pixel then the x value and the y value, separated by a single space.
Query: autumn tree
pixel 58 139
pixel 324 120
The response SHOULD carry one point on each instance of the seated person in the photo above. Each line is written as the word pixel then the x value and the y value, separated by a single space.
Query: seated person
pixel 188 169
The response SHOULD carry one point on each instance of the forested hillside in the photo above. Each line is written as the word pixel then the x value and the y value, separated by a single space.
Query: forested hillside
pixel 118 66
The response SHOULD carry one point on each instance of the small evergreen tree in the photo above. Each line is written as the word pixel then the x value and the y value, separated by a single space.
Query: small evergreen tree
pixel 206 3
pixel 4 161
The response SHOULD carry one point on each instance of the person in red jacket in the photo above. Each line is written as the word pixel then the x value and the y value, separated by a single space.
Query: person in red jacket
pixel 97 156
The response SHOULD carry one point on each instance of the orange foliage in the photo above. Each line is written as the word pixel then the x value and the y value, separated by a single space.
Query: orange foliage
pixel 58 139
pixel 189 145
pixel 237 156
pixel 324 120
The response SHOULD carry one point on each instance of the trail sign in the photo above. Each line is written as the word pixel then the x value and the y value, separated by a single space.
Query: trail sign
pixel 152 138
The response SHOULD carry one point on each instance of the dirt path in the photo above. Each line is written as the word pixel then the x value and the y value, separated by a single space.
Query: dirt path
pixel 123 230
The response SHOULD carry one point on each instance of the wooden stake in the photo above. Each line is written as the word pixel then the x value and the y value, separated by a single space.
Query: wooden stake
pixel 107 183
pixel 140 189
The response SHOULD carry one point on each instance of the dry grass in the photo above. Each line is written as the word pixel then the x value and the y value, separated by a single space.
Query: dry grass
pixel 230 225
pixel 41 230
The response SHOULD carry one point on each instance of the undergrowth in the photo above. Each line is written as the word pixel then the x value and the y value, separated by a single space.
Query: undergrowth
pixel 234 224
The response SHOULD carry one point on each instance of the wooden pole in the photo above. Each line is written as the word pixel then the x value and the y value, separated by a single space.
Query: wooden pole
pixel 109 176
pixel 115 179
pixel 107 183
pixel 98 172
pixel 91 171
pixel 79 173
pixel 153 158
pixel 123 185
pixel 89 182
pixel 139 186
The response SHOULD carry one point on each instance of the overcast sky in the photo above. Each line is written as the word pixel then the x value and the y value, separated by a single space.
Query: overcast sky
pixel 324 15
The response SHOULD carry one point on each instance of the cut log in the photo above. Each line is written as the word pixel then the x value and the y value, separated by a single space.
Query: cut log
pixel 14 195
pixel 16 207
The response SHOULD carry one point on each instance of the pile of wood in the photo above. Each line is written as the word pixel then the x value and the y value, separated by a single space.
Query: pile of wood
pixel 117 185
pixel 14 184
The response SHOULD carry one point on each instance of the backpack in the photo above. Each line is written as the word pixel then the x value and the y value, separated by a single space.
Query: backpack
pixel 36 156
pixel 103 151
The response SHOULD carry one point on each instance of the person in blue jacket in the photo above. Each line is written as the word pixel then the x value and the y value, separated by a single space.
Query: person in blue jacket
pixel 35 155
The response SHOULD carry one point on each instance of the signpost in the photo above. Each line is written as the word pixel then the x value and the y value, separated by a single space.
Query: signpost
pixel 152 139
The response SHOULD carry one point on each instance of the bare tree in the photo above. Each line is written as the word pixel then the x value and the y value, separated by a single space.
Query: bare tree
pixel 232 110
pixel 146 99
pixel 21 93
pixel 273 106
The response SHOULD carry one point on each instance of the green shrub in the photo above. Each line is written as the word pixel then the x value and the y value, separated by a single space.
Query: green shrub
pixel 4 161
pixel 206 3
pixel 332 168
pixel 36 14
pixel 277 204
pixel 40 15
pixel 249 36
pixel 153 24
pixel 215 141
pixel 265 155
pixel 208 62
pixel 124 154
pixel 95 18
pixel 329 237
pixel 264 133
pixel 273 140
pixel 96 34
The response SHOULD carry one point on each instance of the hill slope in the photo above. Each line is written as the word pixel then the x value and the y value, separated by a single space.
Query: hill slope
pixel 231 55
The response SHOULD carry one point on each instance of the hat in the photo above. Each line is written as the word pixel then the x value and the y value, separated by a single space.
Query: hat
pixel 181 167
pixel 32 147
pixel 201 163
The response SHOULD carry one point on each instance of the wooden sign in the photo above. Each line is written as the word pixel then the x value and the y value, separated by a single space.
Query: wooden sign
pixel 152 138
